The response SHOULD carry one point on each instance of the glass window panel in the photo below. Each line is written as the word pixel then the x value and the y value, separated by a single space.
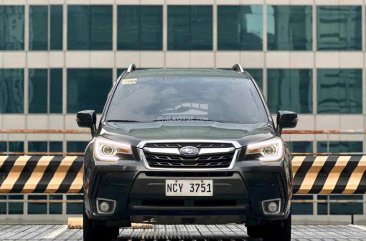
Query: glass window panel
pixel 340 208
pixel 129 27
pixel 190 27
pixel 11 27
pixel 339 27
pixel 323 207
pixel 3 208
pixel 346 208
pixel 37 146
pixel 56 22
pixel 300 146
pixel 290 89
pixel 3 204
pixel 11 90
pixel 257 74
pixel 55 91
pixel 140 27
pixel 16 146
pixel 89 27
pixel 37 207
pixel 339 91
pixel 289 27
pixel 3 146
pixel 16 207
pixel 87 89
pixel 101 27
pixel 302 208
pixel 74 208
pixel 76 146
pixel 339 146
pixel 151 24
pixel 179 33
pixel 55 207
pixel 78 29
pixel 38 27
pixel 201 28
pixel 38 89
pixel 55 146
pixel 240 27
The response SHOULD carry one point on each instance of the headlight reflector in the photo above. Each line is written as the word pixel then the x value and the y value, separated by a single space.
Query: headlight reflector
pixel 269 150
pixel 110 151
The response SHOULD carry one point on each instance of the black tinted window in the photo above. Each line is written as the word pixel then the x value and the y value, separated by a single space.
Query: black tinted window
pixel 190 98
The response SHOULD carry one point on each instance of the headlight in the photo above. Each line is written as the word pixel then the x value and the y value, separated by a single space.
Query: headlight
pixel 269 150
pixel 110 151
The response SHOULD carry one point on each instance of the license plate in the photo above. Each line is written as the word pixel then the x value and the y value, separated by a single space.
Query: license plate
pixel 189 188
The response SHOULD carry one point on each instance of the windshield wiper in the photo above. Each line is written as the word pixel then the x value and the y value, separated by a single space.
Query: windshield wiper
pixel 225 121
pixel 123 121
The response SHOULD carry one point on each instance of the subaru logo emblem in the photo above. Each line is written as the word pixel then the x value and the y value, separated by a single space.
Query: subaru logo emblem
pixel 189 151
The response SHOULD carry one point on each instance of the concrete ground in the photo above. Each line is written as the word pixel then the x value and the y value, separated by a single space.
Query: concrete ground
pixel 183 232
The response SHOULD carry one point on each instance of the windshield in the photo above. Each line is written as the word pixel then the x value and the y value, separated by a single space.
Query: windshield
pixel 149 99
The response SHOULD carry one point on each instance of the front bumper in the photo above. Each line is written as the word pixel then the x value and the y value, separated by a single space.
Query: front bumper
pixel 140 193
pixel 147 197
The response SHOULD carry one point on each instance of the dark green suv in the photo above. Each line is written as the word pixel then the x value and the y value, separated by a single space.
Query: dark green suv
pixel 187 146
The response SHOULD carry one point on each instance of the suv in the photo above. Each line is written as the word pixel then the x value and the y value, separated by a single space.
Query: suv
pixel 187 146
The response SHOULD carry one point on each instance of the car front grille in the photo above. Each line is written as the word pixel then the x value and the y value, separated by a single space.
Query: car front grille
pixel 167 155
pixel 180 145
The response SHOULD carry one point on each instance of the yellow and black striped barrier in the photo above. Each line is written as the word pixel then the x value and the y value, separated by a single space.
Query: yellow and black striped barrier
pixel 41 174
pixel 338 174
pixel 334 174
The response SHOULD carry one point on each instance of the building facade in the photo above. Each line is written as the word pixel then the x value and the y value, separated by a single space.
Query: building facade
pixel 61 56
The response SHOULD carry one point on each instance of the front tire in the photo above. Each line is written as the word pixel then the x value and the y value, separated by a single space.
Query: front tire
pixel 96 232
pixel 272 231
pixel 255 231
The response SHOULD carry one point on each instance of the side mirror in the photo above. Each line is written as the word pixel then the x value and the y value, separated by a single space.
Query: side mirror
pixel 87 119
pixel 286 119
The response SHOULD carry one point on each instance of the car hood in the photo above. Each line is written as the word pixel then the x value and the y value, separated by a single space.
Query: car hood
pixel 136 132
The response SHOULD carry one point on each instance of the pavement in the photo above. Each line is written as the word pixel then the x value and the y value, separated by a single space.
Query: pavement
pixel 182 233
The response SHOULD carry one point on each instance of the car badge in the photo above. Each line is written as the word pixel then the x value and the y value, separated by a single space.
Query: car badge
pixel 189 151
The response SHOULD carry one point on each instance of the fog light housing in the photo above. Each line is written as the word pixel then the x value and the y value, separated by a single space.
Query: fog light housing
pixel 105 206
pixel 271 207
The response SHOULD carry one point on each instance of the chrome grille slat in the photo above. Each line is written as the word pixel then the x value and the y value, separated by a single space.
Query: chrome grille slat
pixel 180 145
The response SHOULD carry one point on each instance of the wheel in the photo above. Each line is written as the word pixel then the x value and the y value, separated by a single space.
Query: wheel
pixel 97 232
pixel 255 231
pixel 279 230
pixel 272 231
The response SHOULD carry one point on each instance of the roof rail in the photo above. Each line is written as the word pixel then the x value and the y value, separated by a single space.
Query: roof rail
pixel 131 68
pixel 237 67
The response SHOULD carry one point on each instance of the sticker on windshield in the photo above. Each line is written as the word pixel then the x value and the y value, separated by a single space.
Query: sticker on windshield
pixel 129 81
